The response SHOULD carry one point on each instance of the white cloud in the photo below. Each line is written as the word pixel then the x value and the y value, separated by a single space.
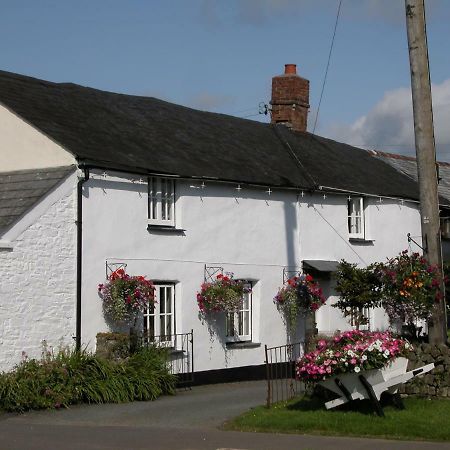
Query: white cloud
pixel 388 126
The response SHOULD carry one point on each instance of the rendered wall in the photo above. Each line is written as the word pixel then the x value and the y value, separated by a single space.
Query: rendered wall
pixel 24 147
pixel 247 232
pixel 38 285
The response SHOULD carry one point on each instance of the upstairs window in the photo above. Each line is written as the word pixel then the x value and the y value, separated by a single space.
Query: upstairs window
pixel 161 201
pixel 239 324
pixel 356 217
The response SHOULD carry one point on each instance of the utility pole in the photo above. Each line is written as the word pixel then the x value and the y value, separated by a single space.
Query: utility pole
pixel 426 154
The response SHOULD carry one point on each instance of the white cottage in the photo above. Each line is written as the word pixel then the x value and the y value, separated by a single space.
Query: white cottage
pixel 94 180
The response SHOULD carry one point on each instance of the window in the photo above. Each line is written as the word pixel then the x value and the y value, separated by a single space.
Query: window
pixel 161 201
pixel 159 319
pixel 356 217
pixel 239 324
pixel 361 317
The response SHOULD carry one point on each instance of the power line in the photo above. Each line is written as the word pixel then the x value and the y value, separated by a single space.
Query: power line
pixel 328 65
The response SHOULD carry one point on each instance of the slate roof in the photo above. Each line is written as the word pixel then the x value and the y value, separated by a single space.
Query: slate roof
pixel 408 166
pixel 143 133
pixel 20 190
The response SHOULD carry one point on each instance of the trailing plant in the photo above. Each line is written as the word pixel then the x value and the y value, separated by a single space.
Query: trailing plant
pixel 351 351
pixel 358 288
pixel 124 296
pixel 69 377
pixel 224 294
pixel 411 287
pixel 300 294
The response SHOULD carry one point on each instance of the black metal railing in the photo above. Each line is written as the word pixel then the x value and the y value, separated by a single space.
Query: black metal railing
pixel 180 348
pixel 280 361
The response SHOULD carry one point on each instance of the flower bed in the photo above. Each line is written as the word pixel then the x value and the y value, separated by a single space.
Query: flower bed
pixel 124 295
pixel 222 294
pixel 351 351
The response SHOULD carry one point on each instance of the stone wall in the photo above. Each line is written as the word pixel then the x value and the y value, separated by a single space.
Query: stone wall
pixel 38 285
pixel 435 383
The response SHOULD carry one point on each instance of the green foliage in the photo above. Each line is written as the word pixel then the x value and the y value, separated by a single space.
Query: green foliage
pixel 358 288
pixel 70 377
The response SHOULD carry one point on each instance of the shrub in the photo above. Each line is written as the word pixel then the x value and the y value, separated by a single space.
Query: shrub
pixel 359 288
pixel 70 377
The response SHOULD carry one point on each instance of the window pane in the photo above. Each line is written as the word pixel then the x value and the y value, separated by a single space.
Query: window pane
pixel 169 327
pixel 162 299
pixel 230 324
pixel 246 323
pixel 169 300
pixel 162 326
pixel 164 199
pixel 169 199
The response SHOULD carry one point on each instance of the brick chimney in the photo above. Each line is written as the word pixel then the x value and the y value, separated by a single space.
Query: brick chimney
pixel 290 99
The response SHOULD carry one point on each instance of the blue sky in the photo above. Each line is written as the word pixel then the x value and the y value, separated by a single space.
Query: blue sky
pixel 220 55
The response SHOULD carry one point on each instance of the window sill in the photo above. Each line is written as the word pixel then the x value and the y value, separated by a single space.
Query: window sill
pixel 164 228
pixel 356 240
pixel 243 344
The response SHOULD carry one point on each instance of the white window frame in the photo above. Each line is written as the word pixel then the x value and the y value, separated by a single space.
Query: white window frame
pixel 353 216
pixel 367 313
pixel 237 322
pixel 161 312
pixel 161 201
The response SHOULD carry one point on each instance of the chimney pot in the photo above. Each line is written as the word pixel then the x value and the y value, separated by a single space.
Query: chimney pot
pixel 290 69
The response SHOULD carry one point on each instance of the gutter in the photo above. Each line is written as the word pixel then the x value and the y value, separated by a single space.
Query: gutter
pixel 79 222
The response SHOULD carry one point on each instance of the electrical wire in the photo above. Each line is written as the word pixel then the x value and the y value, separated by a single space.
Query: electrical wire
pixel 328 65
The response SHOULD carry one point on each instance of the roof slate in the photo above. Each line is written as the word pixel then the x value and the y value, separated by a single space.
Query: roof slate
pixel 20 190
pixel 408 166
pixel 131 132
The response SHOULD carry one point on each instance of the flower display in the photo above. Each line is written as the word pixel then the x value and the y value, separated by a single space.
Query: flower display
pixel 350 351
pixel 124 296
pixel 411 287
pixel 222 294
pixel 299 294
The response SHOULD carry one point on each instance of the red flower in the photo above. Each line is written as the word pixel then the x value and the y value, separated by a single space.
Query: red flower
pixel 309 278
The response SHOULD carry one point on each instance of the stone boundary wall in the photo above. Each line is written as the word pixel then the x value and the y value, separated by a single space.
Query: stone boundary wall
pixel 435 383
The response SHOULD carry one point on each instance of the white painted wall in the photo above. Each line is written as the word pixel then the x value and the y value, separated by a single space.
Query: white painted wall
pixel 324 235
pixel 247 232
pixel 24 147
pixel 38 287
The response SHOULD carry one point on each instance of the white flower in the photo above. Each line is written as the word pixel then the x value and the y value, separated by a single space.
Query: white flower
pixel 364 358
pixel 346 363
pixel 350 353
pixel 357 369
pixel 386 352
pixel 407 345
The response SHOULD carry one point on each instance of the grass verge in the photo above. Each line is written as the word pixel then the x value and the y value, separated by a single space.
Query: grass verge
pixel 422 419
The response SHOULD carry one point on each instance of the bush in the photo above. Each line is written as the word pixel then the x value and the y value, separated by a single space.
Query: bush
pixel 359 288
pixel 70 377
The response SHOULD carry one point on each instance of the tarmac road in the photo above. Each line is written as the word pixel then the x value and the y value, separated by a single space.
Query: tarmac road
pixel 187 421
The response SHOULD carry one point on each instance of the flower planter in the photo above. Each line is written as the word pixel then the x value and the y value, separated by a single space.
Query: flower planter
pixel 370 384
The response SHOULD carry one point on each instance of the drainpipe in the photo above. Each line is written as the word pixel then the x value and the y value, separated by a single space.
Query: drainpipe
pixel 81 181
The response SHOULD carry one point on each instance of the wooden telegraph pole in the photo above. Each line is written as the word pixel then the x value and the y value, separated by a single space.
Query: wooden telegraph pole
pixel 425 152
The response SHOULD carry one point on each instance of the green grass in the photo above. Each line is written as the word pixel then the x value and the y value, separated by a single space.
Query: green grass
pixel 422 419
